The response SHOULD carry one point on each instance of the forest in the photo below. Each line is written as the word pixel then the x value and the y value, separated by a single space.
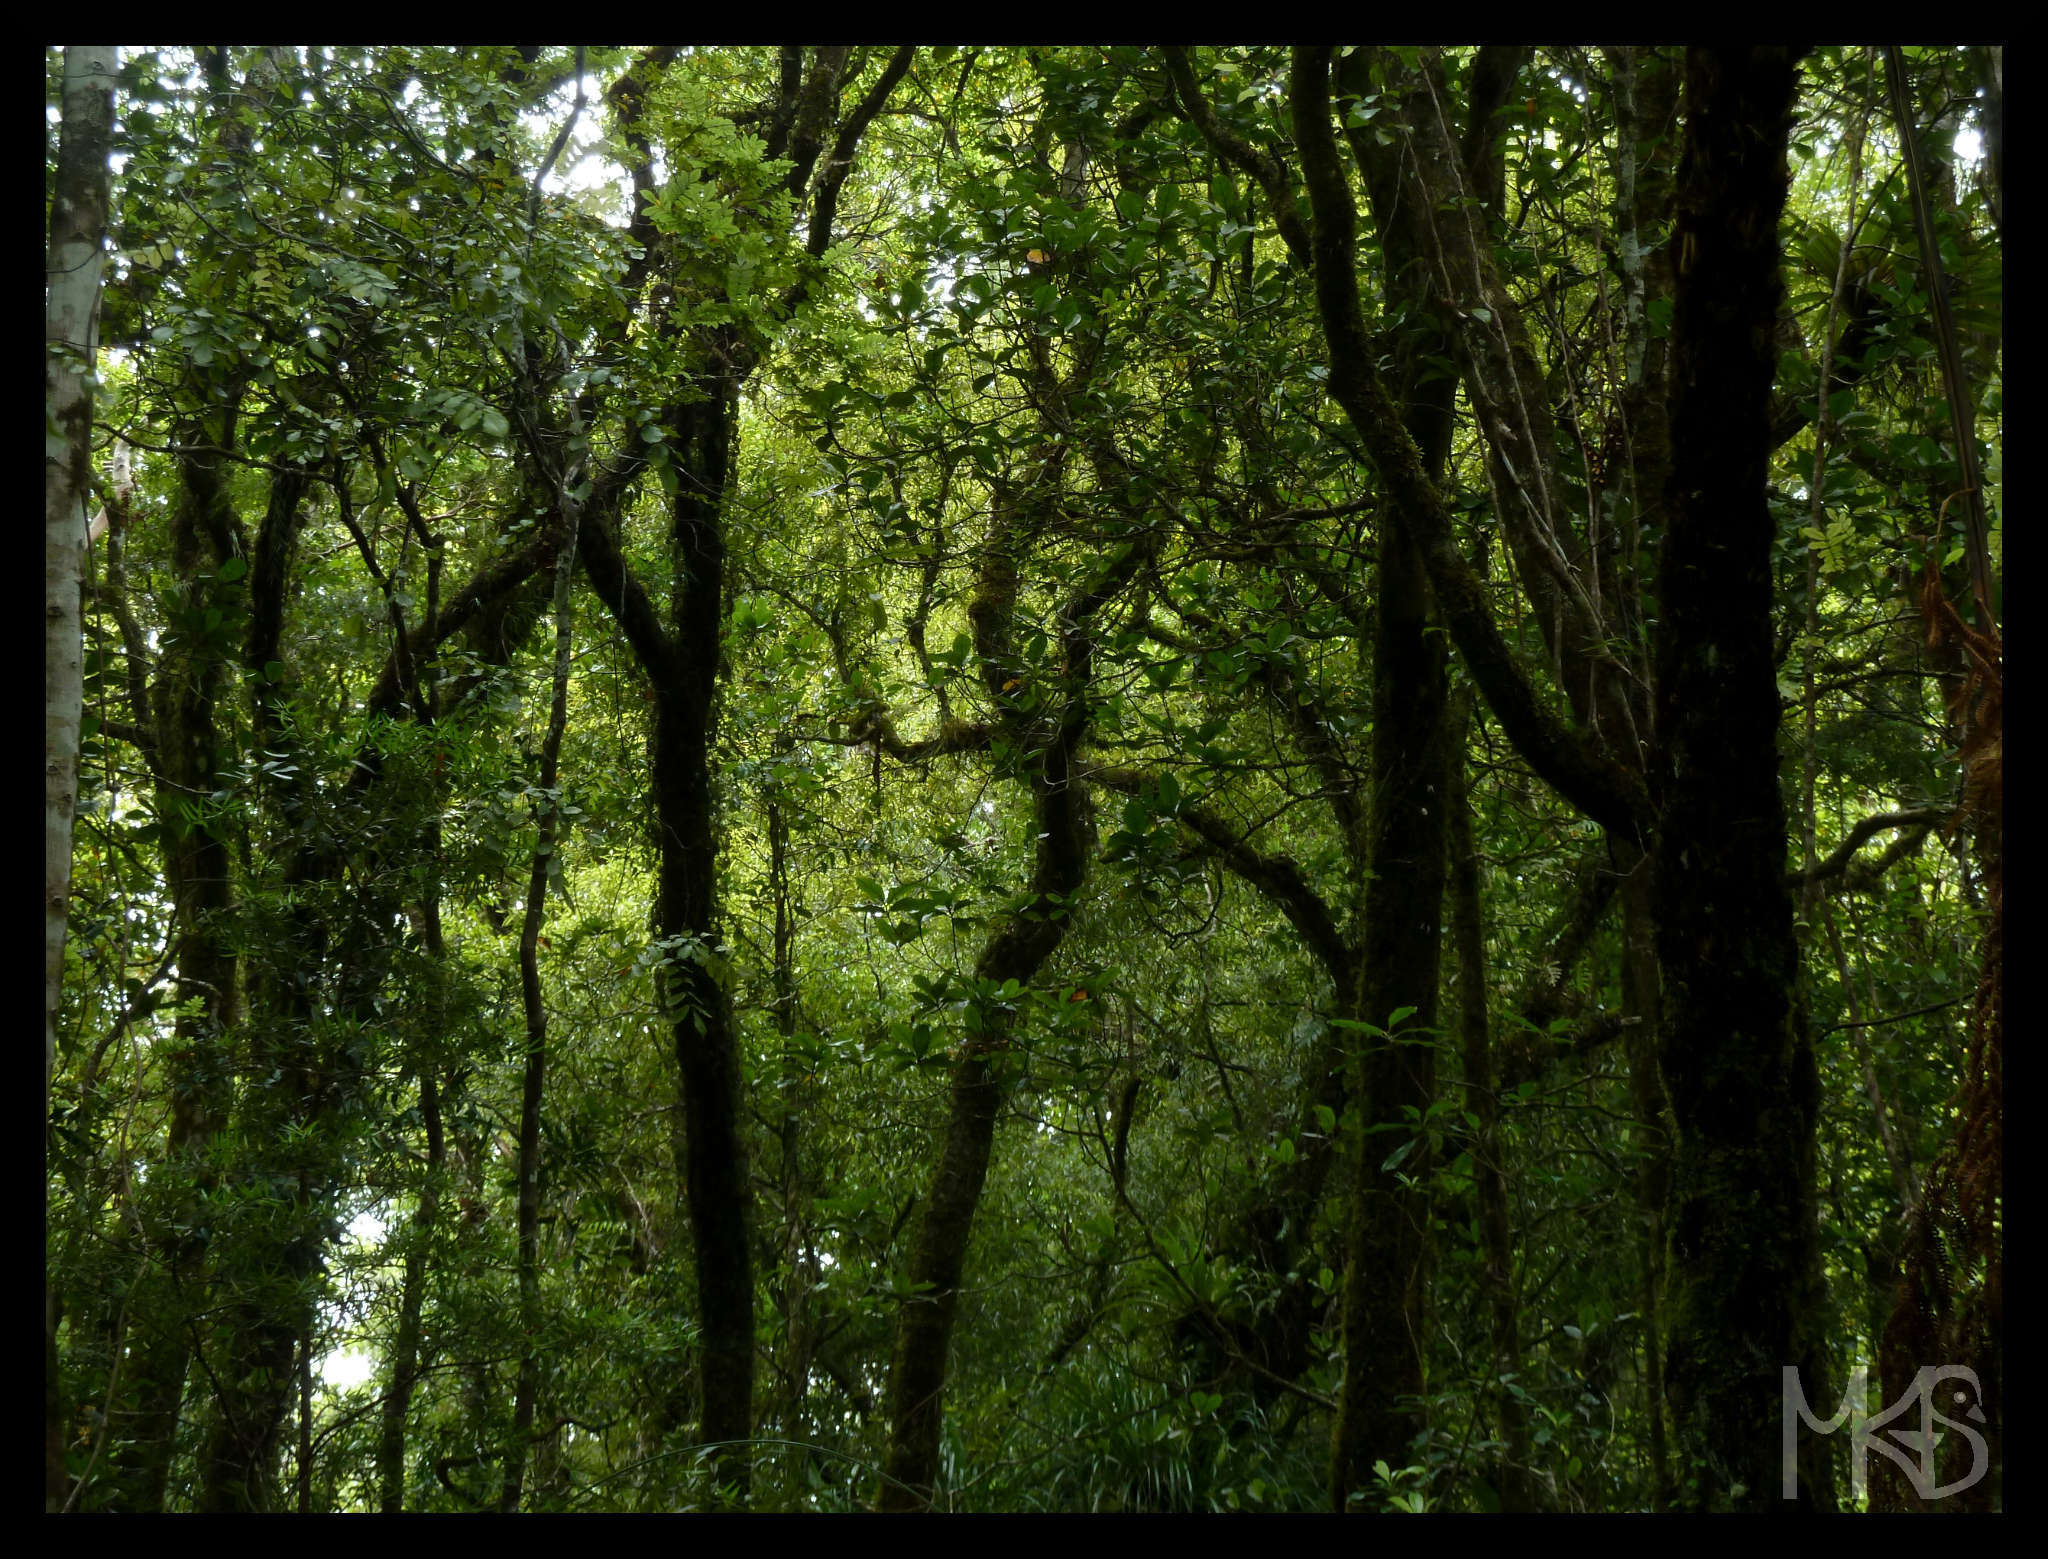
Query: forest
pixel 1023 778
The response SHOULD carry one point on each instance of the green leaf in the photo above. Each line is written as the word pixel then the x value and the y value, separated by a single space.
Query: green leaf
pixel 232 570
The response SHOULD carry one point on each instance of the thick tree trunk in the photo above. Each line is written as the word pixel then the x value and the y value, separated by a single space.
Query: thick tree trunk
pixel 681 661
pixel 197 872
pixel 1385 1281
pixel 1639 1013
pixel 78 225
pixel 713 1169
pixel 1646 84
pixel 1737 1059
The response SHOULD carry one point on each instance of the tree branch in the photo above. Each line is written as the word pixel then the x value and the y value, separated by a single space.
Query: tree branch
pixel 1275 876
pixel 496 578
pixel 597 543
pixel 1266 169
pixel 1585 776
pixel 1865 872
pixel 832 175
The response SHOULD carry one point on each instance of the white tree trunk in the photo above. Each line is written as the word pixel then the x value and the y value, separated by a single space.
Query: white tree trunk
pixel 78 224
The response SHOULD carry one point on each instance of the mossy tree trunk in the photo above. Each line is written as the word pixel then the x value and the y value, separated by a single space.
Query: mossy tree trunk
pixel 1736 1056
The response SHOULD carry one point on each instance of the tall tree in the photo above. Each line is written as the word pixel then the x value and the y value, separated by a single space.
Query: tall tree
pixel 1104 559
pixel 1735 1048
pixel 680 656
pixel 77 255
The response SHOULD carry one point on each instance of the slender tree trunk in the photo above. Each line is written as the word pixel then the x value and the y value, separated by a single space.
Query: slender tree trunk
pixel 305 1448
pixel 1652 1182
pixel 1646 113
pixel 546 865
pixel 1016 951
pixel 405 1347
pixel 1746 1299
pixel 799 1266
pixel 1386 1271
pixel 713 1170
pixel 1950 1307
pixel 78 225
pixel 1515 1482
pixel 682 661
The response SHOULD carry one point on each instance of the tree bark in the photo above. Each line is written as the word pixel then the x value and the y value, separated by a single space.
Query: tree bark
pixel 534 1084
pixel 1385 1282
pixel 405 1347
pixel 78 225
pixel 1515 1481
pixel 1016 951
pixel 800 1269
pixel 682 660
pixel 1737 1059
pixel 714 1167
pixel 1652 1182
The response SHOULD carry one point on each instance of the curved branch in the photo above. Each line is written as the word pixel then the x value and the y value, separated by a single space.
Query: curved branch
pixel 496 578
pixel 1275 876
pixel 597 543
pixel 1266 169
pixel 952 736
pixel 1861 873
pixel 1583 774
pixel 825 192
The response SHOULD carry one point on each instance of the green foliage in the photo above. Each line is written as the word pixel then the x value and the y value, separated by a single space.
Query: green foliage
pixel 1055 336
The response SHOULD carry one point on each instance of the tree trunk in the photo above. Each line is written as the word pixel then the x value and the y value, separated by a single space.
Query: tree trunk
pixel 1385 1281
pixel 405 1348
pixel 546 865
pixel 1016 951
pixel 197 873
pixel 1515 1482
pixel 1737 1059
pixel 714 1152
pixel 1639 1014
pixel 78 225
pixel 799 1263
